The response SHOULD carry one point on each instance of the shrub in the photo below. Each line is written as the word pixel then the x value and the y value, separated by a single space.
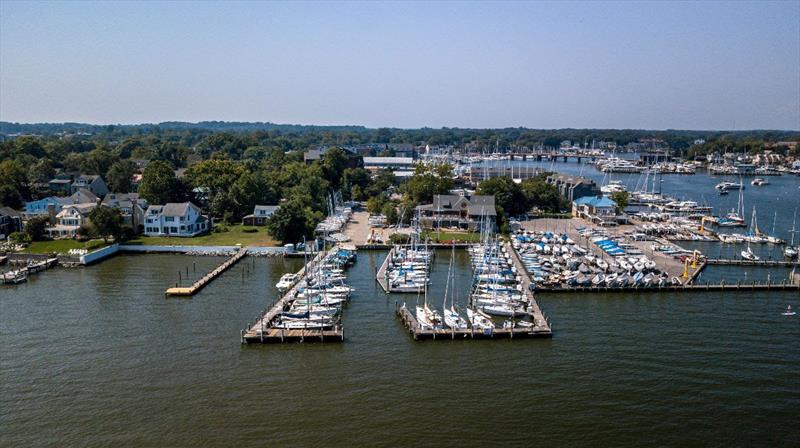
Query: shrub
pixel 250 230
pixel 399 238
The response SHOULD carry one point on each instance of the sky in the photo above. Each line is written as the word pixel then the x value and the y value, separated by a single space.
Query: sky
pixel 641 65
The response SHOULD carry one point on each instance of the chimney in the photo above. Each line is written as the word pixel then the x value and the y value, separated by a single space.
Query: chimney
pixel 51 213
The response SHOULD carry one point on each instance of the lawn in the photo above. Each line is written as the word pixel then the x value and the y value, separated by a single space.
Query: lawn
pixel 452 236
pixel 62 246
pixel 235 235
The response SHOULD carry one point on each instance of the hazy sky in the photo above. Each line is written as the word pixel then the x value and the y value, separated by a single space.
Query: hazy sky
pixel 694 65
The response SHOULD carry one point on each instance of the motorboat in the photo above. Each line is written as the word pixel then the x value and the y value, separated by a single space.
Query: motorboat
pixel 789 311
pixel 758 181
pixel 286 281
pixel 749 255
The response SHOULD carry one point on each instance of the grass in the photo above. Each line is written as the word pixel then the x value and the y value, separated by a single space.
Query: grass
pixel 452 236
pixel 62 246
pixel 235 235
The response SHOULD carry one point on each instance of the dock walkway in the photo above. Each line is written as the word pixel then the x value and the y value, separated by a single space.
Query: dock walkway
pixel 381 275
pixel 537 316
pixel 742 262
pixel 261 331
pixel 198 285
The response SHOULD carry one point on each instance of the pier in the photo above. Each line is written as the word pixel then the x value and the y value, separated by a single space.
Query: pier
pixel 30 267
pixel 697 287
pixel 381 276
pixel 540 321
pixel 261 330
pixel 743 262
pixel 199 284
pixel 419 333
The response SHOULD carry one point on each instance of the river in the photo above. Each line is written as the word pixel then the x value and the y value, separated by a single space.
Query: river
pixel 98 356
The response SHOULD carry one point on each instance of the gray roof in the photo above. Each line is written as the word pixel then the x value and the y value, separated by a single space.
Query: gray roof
pixel 60 181
pixel 83 196
pixel 175 209
pixel 8 211
pixel 266 208
pixel 123 200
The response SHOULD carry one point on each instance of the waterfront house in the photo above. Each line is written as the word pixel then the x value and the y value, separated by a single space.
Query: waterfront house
pixel 130 206
pixel 70 219
pixel 598 209
pixel 10 222
pixel 261 213
pixel 50 205
pixel 175 219
pixel 573 187
pixel 456 211
pixel 91 182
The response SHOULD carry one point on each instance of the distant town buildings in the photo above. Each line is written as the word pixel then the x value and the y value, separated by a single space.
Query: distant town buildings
pixel 260 215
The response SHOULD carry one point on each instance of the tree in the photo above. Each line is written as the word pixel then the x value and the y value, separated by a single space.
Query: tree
pixel 620 198
pixel 507 194
pixel 35 228
pixel 333 165
pixel 119 176
pixel 375 204
pixel 41 171
pixel 354 181
pixel 107 222
pixel 541 195
pixel 390 211
pixel 159 184
pixel 428 181
pixel 13 184
pixel 289 223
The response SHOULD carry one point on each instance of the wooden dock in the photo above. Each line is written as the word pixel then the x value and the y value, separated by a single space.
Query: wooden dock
pixel 443 334
pixel 743 262
pixel 198 285
pixel 381 277
pixel 14 277
pixel 752 286
pixel 537 316
pixel 261 331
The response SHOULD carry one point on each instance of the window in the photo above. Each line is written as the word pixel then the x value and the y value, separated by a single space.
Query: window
pixel 169 218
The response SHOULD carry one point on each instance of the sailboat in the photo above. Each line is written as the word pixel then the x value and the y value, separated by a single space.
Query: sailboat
pixel 789 311
pixel 734 218
pixel 791 250
pixel 748 254
pixel 428 319
pixel 451 317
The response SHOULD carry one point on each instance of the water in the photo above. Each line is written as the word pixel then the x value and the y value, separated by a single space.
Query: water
pixel 98 356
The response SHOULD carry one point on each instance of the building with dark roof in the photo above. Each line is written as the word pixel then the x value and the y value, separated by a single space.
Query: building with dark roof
pixel 10 222
pixel 459 212
pixel 573 187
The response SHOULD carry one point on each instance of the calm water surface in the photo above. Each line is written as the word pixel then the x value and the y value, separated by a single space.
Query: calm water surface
pixel 99 357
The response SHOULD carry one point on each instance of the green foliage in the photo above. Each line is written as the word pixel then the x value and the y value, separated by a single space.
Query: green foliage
pixel 293 221
pixel 106 222
pixel 428 181
pixel 507 194
pixel 119 176
pixel 13 184
pixel 389 210
pixel 621 199
pixel 539 194
pixel 159 184
pixel 375 204
pixel 20 237
pixel 35 227
pixel 399 238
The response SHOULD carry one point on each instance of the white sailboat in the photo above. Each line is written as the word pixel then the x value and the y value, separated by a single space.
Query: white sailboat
pixel 451 317
pixel 791 251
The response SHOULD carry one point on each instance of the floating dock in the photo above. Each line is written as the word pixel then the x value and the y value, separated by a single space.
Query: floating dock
pixel 198 285
pixel 260 331
pixel 784 286
pixel 418 333
pixel 537 316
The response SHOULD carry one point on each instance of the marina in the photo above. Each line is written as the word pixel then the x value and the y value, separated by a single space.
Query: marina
pixel 310 309
pixel 29 267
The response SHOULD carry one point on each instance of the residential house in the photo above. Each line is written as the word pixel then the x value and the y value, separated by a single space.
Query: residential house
pixel 61 185
pixel 70 219
pixel 573 187
pixel 130 206
pixel 456 211
pixel 48 206
pixel 175 219
pixel 10 222
pixel 598 209
pixel 91 182
pixel 261 214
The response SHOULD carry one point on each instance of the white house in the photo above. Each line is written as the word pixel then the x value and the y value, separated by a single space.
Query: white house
pixel 70 219
pixel 175 219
